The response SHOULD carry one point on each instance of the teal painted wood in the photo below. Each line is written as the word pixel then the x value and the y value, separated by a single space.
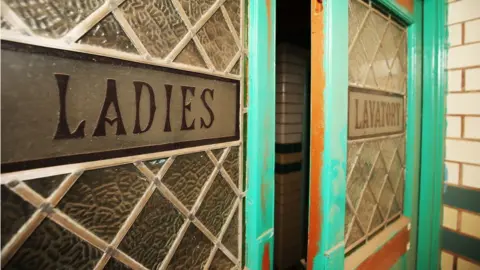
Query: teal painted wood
pixel 433 134
pixel 260 189
pixel 333 175
pixel 399 11
pixel 414 125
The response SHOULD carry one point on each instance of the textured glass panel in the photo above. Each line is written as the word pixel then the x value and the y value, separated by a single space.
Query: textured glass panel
pixel 153 232
pixel 233 10
pixel 355 234
pixel 236 68
pixel 195 8
pixel 46 186
pixel 352 152
pixel 155 165
pixel 221 261
pixel 366 207
pixel 52 247
pixel 356 13
pixel 396 171
pixel 218 41
pixel 191 56
pixel 357 65
pixel 52 18
pixel 378 178
pixel 361 171
pixel 397 75
pixel 186 176
pixel 217 205
pixel 4 24
pixel 15 212
pixel 108 34
pixel 386 198
pixel 156 23
pixel 381 69
pixel 377 221
pixel 113 264
pixel 102 199
pixel 377 61
pixel 230 238
pixel 218 153
pixel 348 217
pixel 231 164
pixel 193 250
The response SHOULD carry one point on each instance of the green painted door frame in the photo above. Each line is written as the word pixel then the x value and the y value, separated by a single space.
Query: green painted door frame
pixel 433 134
pixel 424 163
pixel 333 177
pixel 260 181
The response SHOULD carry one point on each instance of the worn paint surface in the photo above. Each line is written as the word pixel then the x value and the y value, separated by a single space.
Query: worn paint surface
pixel 316 131
pixel 266 257
pixel 399 10
pixel 413 139
pixel 389 254
pixel 329 96
pixel 259 204
pixel 433 134
pixel 408 4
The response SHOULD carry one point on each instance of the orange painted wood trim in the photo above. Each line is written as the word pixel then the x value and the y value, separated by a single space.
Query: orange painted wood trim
pixel 317 127
pixel 389 254
pixel 408 4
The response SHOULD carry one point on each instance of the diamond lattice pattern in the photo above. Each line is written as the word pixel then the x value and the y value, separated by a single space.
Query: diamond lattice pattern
pixel 375 179
pixel 174 213
pixel 204 34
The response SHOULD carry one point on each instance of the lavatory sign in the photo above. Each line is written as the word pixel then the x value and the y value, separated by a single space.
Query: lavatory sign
pixel 60 107
pixel 374 113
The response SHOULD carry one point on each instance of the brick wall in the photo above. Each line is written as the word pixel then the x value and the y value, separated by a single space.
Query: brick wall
pixel 461 211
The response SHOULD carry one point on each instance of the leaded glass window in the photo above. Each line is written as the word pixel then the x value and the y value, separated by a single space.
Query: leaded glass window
pixel 376 144
pixel 179 209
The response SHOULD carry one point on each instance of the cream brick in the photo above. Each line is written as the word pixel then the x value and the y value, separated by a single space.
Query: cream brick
pixel 466 265
pixel 450 217
pixel 472 78
pixel 472 31
pixel 463 11
pixel 455 34
pixel 447 261
pixel 463 103
pixel 463 151
pixel 454 126
pixel 452 172
pixel 469 224
pixel 454 80
pixel 471 176
pixel 472 127
pixel 464 56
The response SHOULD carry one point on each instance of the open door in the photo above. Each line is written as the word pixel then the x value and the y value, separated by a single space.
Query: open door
pixel 365 134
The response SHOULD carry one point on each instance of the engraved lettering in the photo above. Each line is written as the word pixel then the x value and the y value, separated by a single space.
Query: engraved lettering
pixel 63 132
pixel 110 99
pixel 209 109
pixel 138 94
pixel 187 106
pixel 168 93
pixel 357 123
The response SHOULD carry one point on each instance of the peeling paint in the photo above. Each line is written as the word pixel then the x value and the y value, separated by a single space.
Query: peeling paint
pixel 408 4
pixel 317 131
pixel 266 257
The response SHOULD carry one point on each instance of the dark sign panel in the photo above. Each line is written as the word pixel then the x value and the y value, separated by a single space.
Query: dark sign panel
pixel 63 107
pixel 374 113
